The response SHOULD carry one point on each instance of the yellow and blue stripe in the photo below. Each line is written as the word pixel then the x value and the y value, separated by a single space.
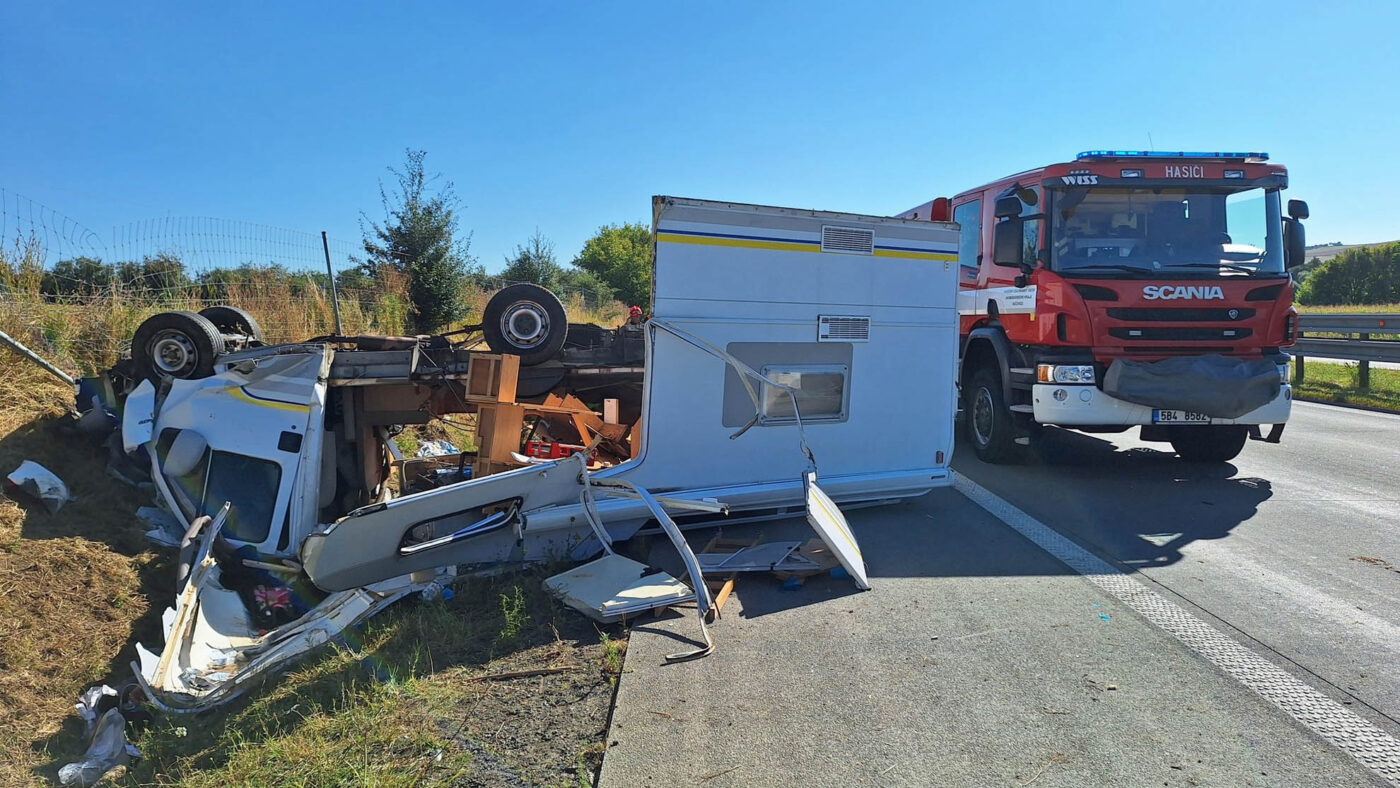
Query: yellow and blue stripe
pixel 790 244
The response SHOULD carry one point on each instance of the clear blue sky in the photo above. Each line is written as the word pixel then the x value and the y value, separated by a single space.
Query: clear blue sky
pixel 567 116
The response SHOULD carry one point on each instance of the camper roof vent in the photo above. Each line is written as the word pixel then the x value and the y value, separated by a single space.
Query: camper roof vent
pixel 848 240
pixel 843 328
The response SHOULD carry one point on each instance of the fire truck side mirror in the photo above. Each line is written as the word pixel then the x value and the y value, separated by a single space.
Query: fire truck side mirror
pixel 1010 207
pixel 1295 240
pixel 1008 242
pixel 1298 209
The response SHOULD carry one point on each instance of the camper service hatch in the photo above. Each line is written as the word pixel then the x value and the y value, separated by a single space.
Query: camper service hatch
pixel 795 360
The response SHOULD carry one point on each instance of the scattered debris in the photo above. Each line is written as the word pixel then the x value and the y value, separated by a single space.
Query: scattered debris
pixel 719 773
pixel 40 483
pixel 107 746
pixel 276 462
pixel 1379 563
pixel 613 588
pixel 437 448
pixel 165 530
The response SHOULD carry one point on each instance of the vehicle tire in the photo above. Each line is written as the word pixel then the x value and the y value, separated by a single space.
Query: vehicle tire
pixel 527 321
pixel 232 320
pixel 990 427
pixel 176 345
pixel 1216 443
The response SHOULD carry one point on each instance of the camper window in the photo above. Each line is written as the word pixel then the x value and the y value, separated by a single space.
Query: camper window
pixel 821 393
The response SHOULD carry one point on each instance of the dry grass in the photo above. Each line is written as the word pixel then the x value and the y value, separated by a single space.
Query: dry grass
pixel 89 336
pixel 72 585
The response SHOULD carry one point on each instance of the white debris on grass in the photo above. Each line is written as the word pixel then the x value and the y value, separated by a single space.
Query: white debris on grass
pixel 39 482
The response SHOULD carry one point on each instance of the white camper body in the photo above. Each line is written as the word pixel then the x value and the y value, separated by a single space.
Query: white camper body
pixel 783 342
pixel 759 286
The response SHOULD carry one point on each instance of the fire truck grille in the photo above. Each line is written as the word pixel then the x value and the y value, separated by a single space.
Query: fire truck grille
pixel 1180 334
pixel 1193 350
pixel 1180 315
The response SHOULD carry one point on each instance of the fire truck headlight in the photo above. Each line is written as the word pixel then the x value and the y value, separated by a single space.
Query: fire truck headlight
pixel 1065 373
pixel 1283 372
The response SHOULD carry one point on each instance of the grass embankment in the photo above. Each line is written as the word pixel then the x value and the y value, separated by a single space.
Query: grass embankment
pixel 397 705
pixel 1340 383
pixel 1348 309
pixel 1333 381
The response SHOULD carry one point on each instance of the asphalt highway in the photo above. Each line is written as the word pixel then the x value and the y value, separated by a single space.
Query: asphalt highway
pixel 1101 614
pixel 1294 547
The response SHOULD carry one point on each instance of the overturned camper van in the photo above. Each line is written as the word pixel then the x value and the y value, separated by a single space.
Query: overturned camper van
pixel 795 360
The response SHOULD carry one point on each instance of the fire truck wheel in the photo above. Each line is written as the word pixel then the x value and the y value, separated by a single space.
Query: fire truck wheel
pixel 176 345
pixel 525 320
pixel 989 423
pixel 1216 443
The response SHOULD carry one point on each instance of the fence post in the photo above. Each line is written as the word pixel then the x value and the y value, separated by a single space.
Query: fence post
pixel 1363 374
pixel 1297 370
pixel 335 301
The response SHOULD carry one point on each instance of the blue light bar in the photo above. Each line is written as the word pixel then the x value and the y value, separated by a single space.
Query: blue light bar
pixel 1169 154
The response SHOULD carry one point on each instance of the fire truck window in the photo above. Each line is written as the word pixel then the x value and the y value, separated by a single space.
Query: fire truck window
pixel 1031 228
pixel 1244 218
pixel 969 218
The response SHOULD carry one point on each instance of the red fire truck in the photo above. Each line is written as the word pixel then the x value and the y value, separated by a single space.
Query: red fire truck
pixel 1128 288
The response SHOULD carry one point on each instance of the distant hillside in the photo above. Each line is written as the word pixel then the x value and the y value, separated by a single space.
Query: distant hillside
pixel 1323 252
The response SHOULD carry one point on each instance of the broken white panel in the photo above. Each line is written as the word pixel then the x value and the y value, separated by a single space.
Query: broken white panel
pixel 41 483
pixel 138 417
pixel 613 587
pixel 830 524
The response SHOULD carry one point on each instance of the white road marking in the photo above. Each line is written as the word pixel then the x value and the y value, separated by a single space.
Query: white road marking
pixel 1368 744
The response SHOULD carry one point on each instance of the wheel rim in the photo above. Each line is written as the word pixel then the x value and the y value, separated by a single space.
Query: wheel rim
pixel 983 416
pixel 173 353
pixel 525 324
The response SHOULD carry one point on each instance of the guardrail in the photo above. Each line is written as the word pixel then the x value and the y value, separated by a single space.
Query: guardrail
pixel 1355 345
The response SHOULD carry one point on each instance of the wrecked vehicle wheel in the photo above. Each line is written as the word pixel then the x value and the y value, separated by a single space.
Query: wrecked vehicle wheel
pixel 527 321
pixel 232 320
pixel 176 345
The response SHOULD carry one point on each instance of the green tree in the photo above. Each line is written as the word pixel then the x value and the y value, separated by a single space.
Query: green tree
pixel 77 276
pixel 418 239
pixel 576 280
pixel 161 274
pixel 620 255
pixel 1364 275
pixel 534 262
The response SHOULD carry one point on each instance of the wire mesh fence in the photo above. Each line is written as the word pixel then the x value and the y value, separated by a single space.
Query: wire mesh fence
pixel 77 293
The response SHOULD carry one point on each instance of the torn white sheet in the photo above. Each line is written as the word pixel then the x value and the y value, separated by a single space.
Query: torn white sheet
pixel 107 751
pixel 39 482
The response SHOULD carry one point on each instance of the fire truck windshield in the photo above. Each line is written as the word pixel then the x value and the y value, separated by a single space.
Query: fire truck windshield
pixel 1199 231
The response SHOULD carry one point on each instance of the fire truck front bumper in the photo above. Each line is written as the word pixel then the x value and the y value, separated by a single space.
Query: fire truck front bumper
pixel 1086 405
